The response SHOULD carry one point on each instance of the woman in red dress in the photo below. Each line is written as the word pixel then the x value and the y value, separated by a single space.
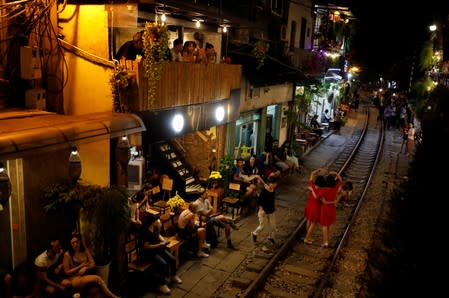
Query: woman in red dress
pixel 313 204
pixel 328 211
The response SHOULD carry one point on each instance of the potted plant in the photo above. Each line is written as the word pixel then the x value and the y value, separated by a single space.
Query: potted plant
pixel 107 218
pixel 260 52
pixel 226 168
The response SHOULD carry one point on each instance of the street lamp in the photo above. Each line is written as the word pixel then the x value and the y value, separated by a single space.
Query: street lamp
pixel 5 187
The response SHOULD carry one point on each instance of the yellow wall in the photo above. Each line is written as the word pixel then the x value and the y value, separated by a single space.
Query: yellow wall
pixel 95 162
pixel 88 89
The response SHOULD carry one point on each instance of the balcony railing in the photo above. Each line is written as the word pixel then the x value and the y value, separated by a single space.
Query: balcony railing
pixel 183 84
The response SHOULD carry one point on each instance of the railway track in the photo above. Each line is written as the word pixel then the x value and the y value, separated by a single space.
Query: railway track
pixel 301 270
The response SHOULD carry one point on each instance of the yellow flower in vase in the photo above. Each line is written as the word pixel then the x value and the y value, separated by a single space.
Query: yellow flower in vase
pixel 176 203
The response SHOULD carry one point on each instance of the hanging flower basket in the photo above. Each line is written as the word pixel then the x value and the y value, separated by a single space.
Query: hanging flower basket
pixel 156 54
pixel 260 51
pixel 120 81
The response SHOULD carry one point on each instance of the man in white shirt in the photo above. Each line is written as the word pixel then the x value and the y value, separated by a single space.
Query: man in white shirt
pixel 204 209
pixel 48 267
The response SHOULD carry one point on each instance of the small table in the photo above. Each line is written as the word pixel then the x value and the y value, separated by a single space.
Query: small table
pixel 162 205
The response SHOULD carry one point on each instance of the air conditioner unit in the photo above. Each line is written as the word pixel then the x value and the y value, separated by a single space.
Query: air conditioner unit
pixel 36 99
pixel 283 33
pixel 30 64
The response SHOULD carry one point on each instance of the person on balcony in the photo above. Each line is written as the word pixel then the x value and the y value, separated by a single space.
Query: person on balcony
pixel 130 49
pixel 207 54
pixel 189 52
pixel 176 50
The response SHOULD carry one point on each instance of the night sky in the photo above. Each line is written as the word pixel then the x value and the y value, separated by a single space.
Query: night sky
pixel 389 34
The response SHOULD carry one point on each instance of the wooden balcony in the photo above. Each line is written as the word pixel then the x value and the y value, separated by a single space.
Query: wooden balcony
pixel 183 84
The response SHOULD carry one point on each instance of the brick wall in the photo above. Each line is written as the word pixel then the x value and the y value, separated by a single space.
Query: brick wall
pixel 198 148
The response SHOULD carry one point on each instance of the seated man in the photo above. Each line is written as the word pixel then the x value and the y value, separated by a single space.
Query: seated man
pixel 205 210
pixel 316 125
pixel 155 249
pixel 325 118
pixel 186 227
pixel 48 266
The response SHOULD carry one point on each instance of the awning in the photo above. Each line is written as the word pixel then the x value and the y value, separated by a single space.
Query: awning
pixel 24 130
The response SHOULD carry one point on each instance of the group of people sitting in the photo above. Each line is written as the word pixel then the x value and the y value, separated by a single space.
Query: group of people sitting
pixel 275 161
pixel 189 52
pixel 180 52
pixel 72 271
pixel 188 228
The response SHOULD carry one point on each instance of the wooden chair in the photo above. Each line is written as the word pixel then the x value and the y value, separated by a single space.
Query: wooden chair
pixel 232 202
pixel 136 262
pixel 214 201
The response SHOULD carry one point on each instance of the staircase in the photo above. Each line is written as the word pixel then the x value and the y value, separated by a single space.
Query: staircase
pixel 180 171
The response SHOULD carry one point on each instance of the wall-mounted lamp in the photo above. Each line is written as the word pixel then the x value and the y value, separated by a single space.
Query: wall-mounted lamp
pixel 224 28
pixel 5 187
pixel 122 153
pixel 74 164
pixel 163 17
pixel 177 123
pixel 219 113
pixel 198 22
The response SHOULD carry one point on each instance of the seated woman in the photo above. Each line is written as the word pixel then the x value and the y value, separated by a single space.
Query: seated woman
pixel 290 158
pixel 189 52
pixel 265 164
pixel 77 264
pixel 280 158
pixel 155 249
pixel 239 176
pixel 186 228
